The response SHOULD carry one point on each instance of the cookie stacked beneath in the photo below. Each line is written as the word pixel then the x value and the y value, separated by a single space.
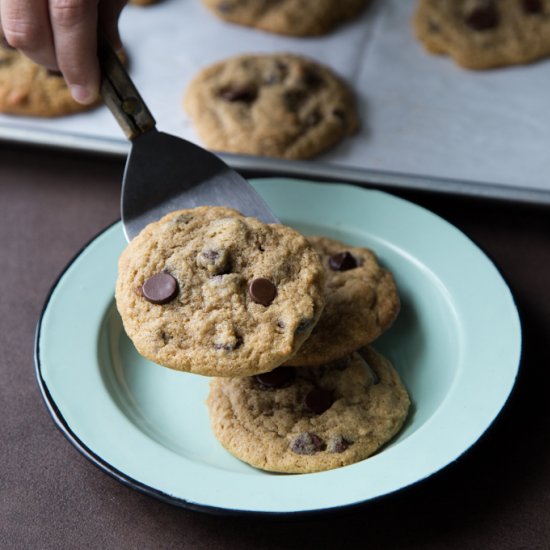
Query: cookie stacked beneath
pixel 281 322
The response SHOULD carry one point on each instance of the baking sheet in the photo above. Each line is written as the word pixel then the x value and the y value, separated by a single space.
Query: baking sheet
pixel 426 122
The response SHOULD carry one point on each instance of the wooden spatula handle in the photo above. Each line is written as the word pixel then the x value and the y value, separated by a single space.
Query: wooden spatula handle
pixel 120 94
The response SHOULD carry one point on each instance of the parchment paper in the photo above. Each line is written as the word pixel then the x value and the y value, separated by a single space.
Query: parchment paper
pixel 421 114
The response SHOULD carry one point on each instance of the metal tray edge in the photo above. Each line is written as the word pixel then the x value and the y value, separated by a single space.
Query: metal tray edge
pixel 280 167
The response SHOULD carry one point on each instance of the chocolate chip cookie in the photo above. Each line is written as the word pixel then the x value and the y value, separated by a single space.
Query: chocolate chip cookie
pixel 308 419
pixel 278 105
pixel 361 303
pixel 482 34
pixel 290 17
pixel 212 292
pixel 27 88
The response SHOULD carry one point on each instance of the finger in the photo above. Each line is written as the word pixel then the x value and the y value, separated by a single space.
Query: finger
pixel 74 26
pixel 26 26
pixel 109 13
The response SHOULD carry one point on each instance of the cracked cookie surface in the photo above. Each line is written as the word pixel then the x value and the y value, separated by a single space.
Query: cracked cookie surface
pixel 212 292
pixel 482 34
pixel 308 419
pixel 290 17
pixel 361 302
pixel 277 105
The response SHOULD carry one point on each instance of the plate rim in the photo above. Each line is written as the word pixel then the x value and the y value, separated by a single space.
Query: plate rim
pixel 181 502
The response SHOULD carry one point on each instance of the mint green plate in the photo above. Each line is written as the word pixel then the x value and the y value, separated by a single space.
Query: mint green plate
pixel 456 344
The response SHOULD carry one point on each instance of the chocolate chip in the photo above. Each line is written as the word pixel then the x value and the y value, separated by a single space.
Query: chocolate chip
pixel 313 118
pixel 160 288
pixel 483 18
pixel 308 443
pixel 531 6
pixel 277 378
pixel 245 95
pixel 339 444
pixel 281 323
pixel 293 99
pixel 342 261
pixel 262 291
pixel 312 78
pixel 229 346
pixel 317 401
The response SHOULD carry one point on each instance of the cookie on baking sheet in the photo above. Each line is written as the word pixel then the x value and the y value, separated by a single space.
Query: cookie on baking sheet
pixel 275 105
pixel 290 17
pixel 482 34
pixel 308 419
pixel 361 303
pixel 27 88
pixel 212 292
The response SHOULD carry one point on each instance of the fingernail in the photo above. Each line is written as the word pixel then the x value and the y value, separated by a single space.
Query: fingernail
pixel 82 94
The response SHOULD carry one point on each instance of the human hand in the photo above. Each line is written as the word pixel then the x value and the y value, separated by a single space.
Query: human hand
pixel 62 36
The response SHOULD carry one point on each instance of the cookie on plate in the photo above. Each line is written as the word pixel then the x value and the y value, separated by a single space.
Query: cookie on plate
pixel 276 105
pixel 482 34
pixel 290 17
pixel 27 88
pixel 308 419
pixel 361 303
pixel 212 292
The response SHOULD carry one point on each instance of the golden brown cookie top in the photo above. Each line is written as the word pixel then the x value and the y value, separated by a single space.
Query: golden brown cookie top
pixel 361 302
pixel 482 34
pixel 27 88
pixel 277 105
pixel 212 292
pixel 308 419
pixel 291 17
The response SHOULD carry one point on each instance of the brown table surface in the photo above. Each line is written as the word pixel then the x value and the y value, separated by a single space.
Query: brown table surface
pixel 495 496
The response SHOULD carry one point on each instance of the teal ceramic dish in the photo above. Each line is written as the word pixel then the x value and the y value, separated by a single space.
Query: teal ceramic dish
pixel 456 344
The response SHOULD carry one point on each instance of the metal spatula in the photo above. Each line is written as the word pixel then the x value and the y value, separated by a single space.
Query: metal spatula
pixel 163 172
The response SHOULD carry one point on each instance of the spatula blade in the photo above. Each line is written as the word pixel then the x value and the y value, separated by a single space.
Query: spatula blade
pixel 165 173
